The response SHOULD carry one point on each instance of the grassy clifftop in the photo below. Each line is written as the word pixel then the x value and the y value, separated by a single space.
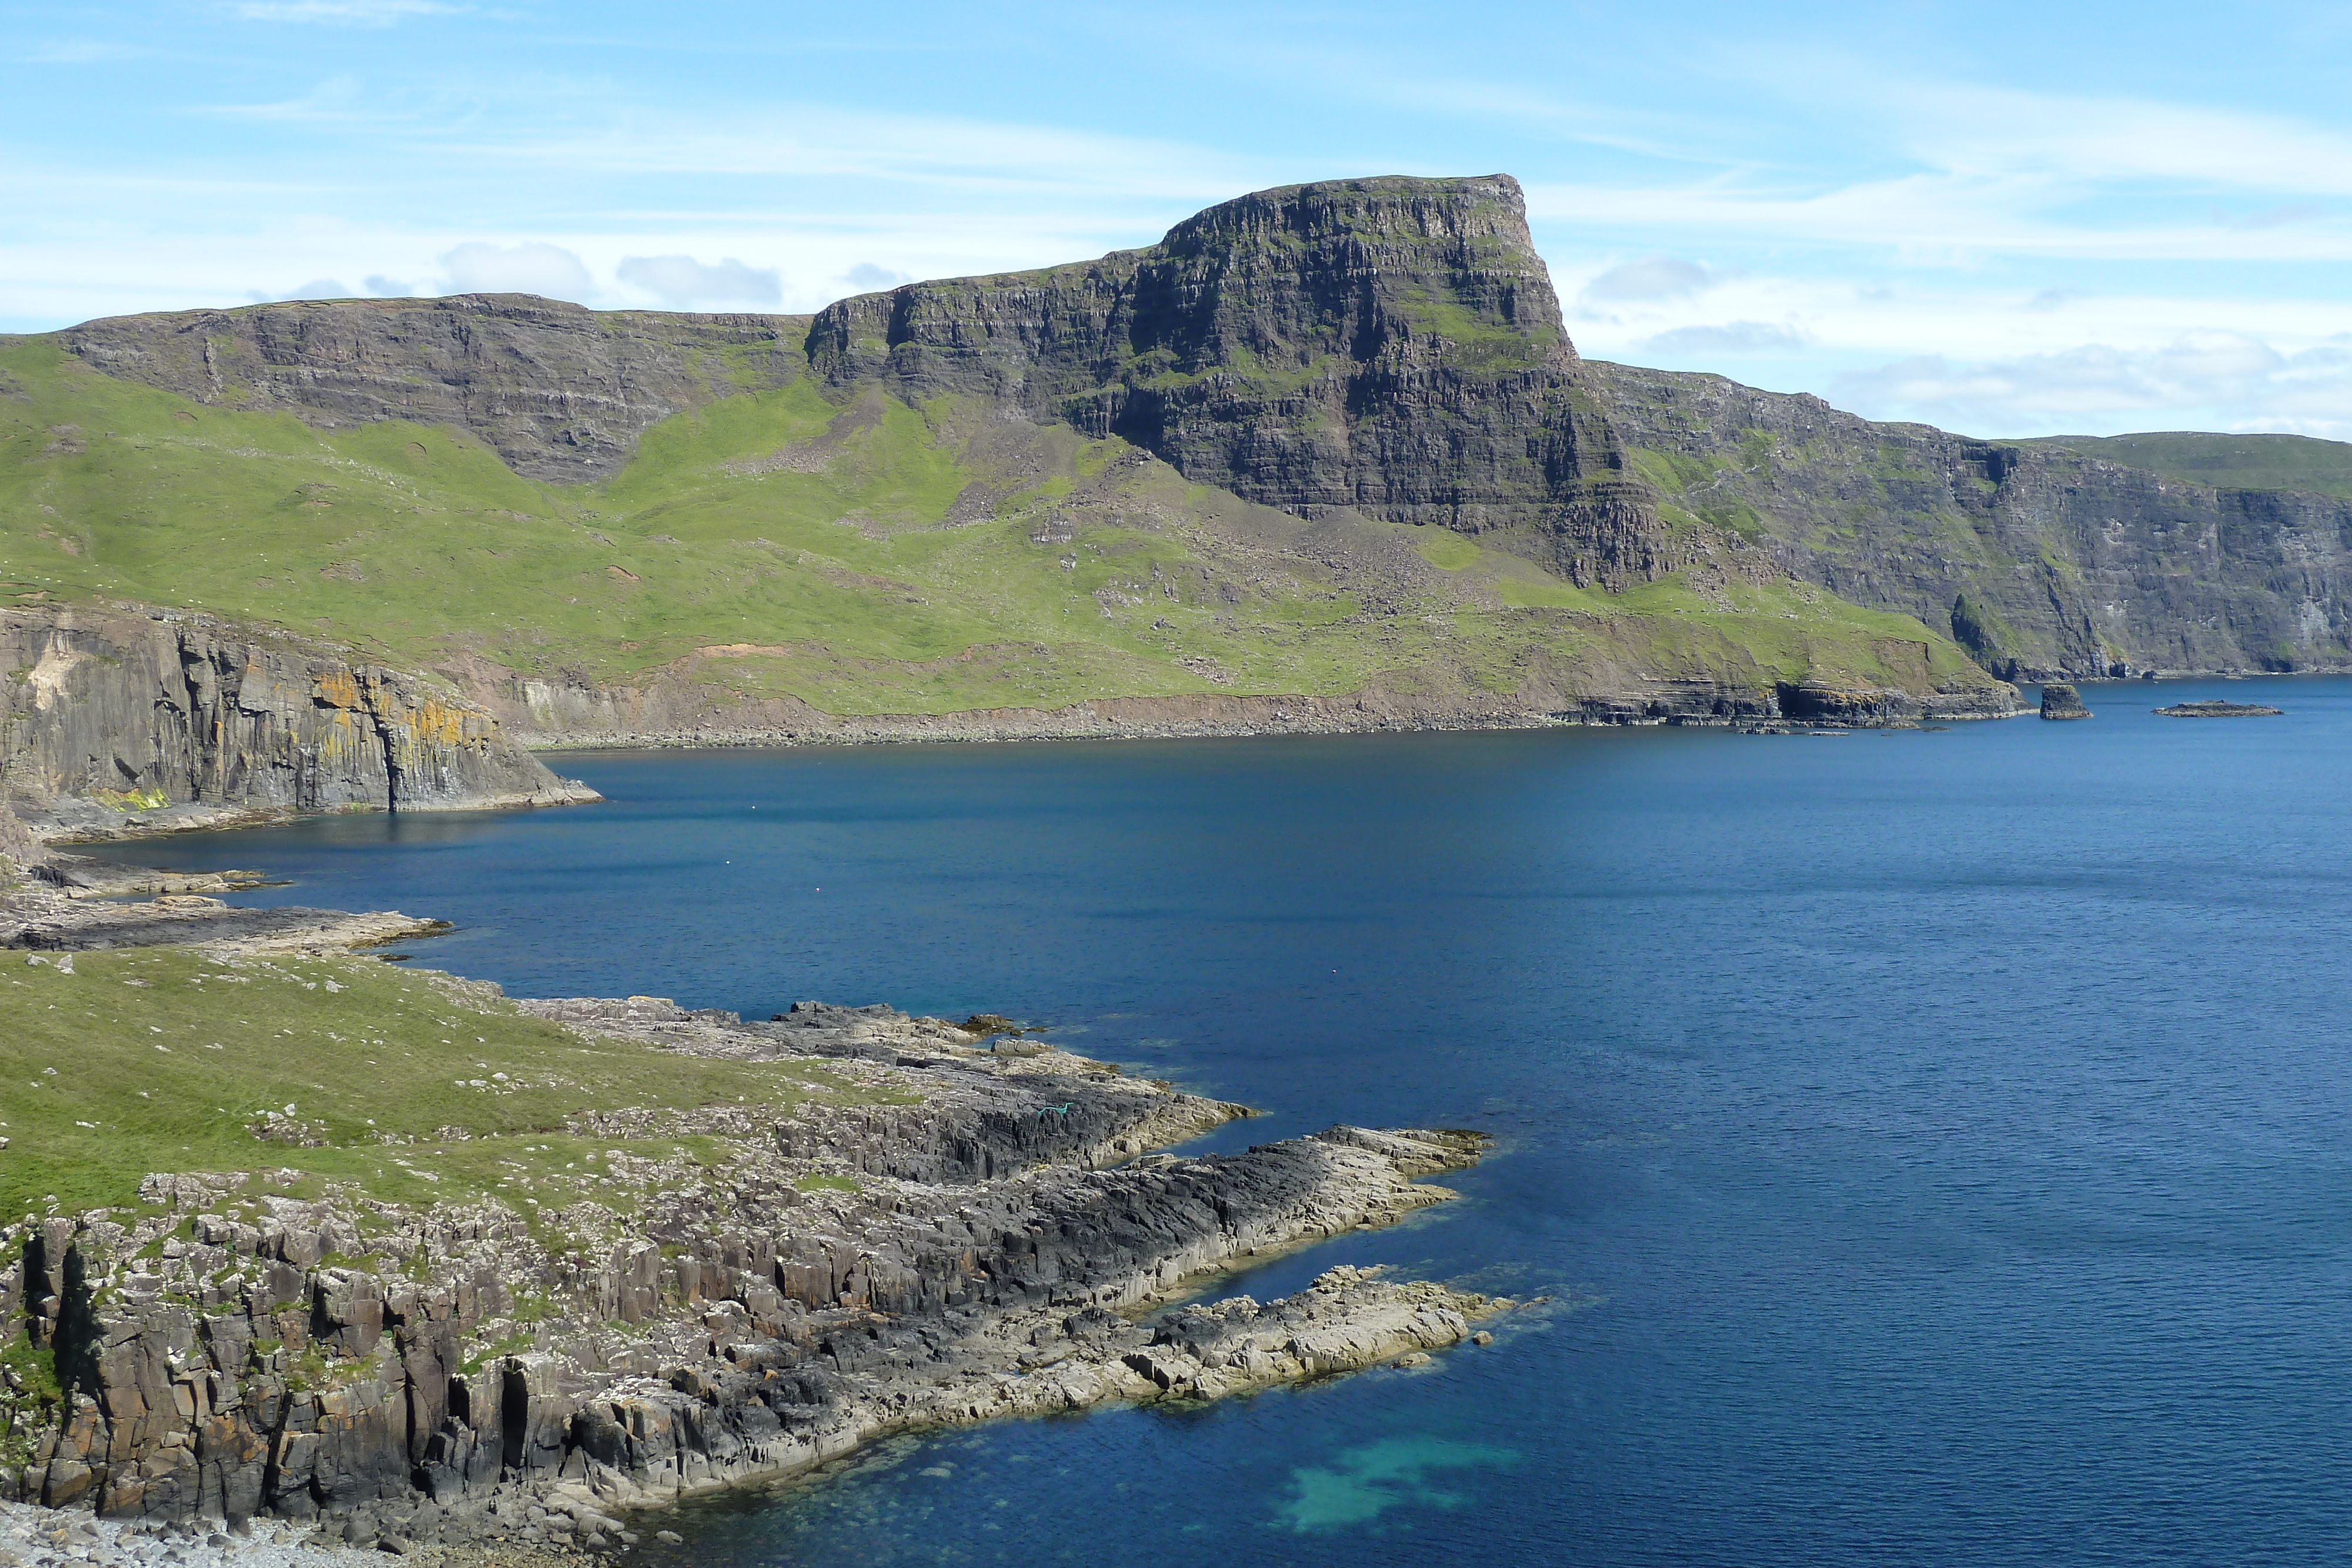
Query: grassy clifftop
pixel 404 1086
pixel 861 553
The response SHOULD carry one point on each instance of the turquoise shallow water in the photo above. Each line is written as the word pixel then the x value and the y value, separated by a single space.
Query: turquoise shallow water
pixel 1936 1144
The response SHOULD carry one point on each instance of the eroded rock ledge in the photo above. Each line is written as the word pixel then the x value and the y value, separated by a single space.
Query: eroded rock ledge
pixel 981 1233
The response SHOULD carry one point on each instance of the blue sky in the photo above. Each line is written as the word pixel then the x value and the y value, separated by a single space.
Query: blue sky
pixel 2002 218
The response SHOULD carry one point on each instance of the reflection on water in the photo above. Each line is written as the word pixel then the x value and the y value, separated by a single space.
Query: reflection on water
pixel 1937 1146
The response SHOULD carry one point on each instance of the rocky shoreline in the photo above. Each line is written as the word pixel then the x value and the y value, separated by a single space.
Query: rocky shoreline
pixel 974 1225
pixel 1698 705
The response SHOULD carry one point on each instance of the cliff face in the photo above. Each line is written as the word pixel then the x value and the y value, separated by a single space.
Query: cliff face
pixel 1389 346
pixel 560 391
pixel 2041 559
pixel 104 714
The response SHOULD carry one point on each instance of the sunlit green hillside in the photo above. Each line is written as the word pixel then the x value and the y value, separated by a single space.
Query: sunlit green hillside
pixel 866 555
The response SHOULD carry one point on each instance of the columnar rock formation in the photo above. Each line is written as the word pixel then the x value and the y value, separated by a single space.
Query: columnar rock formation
pixel 230 1349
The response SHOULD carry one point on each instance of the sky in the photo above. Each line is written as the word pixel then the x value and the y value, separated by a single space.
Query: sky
pixel 2002 218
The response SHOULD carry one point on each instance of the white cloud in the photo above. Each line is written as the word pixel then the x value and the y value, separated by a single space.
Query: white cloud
pixel 681 280
pixel 2095 388
pixel 1970 130
pixel 390 287
pixel 1653 278
pixel 322 288
pixel 868 277
pixel 531 267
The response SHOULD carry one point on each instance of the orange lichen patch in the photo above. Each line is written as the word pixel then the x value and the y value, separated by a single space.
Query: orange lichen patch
pixel 437 724
pixel 338 688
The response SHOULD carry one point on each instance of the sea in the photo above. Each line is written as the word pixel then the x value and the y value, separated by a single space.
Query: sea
pixel 1917 1147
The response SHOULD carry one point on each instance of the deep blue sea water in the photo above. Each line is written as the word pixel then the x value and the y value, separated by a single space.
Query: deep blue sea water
pixel 1937 1145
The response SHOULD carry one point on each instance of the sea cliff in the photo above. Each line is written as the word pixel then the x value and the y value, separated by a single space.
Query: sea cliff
pixel 114 720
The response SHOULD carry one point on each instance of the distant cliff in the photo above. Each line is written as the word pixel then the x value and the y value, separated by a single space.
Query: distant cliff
pixel 2041 558
pixel 560 391
pixel 178 719
pixel 1391 347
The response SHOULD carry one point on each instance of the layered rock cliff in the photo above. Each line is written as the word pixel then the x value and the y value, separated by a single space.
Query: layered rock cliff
pixel 558 391
pixel 2041 559
pixel 1389 346
pixel 178 719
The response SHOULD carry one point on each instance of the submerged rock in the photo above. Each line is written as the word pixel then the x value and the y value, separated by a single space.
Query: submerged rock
pixel 2061 701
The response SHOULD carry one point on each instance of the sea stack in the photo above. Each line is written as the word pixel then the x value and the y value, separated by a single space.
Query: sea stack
pixel 2061 701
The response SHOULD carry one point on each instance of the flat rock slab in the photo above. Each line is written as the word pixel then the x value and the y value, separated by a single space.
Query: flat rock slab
pixel 2219 710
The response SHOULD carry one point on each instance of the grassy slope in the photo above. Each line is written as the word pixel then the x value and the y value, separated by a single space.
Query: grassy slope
pixel 2229 462
pixel 164 1060
pixel 817 538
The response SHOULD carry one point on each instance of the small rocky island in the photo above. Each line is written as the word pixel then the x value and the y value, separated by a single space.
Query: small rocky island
pixel 2218 709
pixel 2062 701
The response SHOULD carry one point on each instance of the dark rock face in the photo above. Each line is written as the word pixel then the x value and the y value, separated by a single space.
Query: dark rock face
pixel 560 391
pixel 106 714
pixel 2042 560
pixel 2062 701
pixel 1389 346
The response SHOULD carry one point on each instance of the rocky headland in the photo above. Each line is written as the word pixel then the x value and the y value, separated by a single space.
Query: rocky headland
pixel 486 1343
pixel 114 722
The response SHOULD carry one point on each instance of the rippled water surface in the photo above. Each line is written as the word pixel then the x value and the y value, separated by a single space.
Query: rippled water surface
pixel 1937 1144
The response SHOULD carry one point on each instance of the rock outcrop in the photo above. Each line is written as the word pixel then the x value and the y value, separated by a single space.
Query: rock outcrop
pixel 2060 700
pixel 558 391
pixel 981 1243
pixel 2218 709
pixel 167 719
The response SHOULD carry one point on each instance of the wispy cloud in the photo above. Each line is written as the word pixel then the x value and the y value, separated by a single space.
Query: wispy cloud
pixel 1652 279
pixel 682 280
pixel 340 13
pixel 2094 386
pixel 1730 338
pixel 531 267
pixel 77 52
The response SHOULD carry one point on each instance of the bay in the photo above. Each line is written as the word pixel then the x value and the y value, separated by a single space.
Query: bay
pixel 1934 1145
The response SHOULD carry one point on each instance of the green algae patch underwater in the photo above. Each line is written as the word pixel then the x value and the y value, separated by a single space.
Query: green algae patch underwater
pixel 1363 1483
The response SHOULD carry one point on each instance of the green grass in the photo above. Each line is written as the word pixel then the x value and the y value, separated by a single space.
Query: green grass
pixel 865 556
pixel 2227 462
pixel 103 1081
